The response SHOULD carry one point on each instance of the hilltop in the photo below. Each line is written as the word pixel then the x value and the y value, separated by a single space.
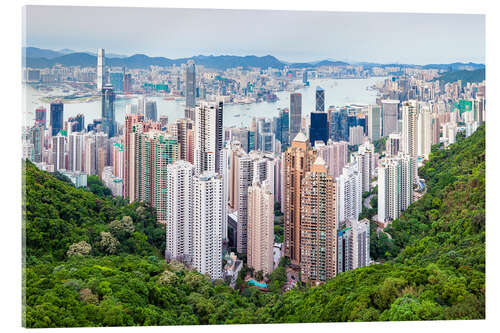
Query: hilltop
pixel 93 260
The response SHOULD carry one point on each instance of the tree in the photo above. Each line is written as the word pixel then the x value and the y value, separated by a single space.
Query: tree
pixel 108 242
pixel 79 249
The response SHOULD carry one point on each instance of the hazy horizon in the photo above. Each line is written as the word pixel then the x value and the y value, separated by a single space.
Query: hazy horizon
pixel 304 36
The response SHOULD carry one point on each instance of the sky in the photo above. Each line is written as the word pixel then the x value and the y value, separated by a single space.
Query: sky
pixel 292 36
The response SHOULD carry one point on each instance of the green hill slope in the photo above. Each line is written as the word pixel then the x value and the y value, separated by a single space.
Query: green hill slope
pixel 119 277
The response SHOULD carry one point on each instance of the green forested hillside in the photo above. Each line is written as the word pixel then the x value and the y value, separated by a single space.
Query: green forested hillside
pixel 97 261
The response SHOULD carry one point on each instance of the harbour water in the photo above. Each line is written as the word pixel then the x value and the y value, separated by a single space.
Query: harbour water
pixel 338 92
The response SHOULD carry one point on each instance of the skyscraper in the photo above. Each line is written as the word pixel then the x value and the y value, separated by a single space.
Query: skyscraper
pixel 283 130
pixel 374 122
pixel 129 152
pixel 208 137
pixel 349 193
pixel 56 116
pixel 260 228
pixel 395 182
pixel 75 152
pixel 390 109
pixel 295 114
pixel 320 99
pixel 108 110
pixel 58 151
pixel 101 79
pixel 151 112
pixel 361 243
pixel 335 156
pixel 116 80
pixel 318 227
pixel 207 224
pixel 298 160
pixel 190 84
pixel 410 133
pixel 339 128
pixel 41 116
pixel 179 222
pixel 318 131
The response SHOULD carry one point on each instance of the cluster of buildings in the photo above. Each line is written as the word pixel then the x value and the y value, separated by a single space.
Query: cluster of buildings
pixel 215 188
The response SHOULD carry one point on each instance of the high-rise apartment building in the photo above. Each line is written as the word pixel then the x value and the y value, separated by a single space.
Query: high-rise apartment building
pixel 208 137
pixel 298 159
pixel 374 122
pixel 360 243
pixel 364 158
pixel 318 225
pixel 410 128
pixel 393 145
pixel 179 219
pixel 356 135
pixel 335 155
pixel 207 224
pixel 390 110
pixel 395 186
pixel 75 152
pixel 59 151
pixel 349 193
pixel 295 114
pixel 260 228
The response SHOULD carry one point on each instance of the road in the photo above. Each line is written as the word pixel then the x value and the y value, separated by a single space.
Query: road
pixel 367 200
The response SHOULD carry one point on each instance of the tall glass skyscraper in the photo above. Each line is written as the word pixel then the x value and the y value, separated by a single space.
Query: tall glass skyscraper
pixel 319 127
pixel 101 77
pixel 295 114
pixel 108 110
pixel 56 116
pixel 151 111
pixel 339 127
pixel 320 99
pixel 282 128
pixel 190 84
pixel 116 80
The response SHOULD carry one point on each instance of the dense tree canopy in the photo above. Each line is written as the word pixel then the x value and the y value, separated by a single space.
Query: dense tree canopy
pixel 94 260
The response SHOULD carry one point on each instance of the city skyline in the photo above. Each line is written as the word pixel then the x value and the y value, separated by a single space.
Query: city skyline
pixel 185 33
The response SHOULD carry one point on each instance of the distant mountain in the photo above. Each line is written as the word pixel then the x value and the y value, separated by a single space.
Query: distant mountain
pixel 477 75
pixel 35 52
pixel 39 58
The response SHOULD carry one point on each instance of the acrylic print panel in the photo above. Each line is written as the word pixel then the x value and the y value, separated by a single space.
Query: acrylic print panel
pixel 195 166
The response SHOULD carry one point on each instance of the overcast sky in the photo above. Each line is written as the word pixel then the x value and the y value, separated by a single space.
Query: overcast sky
pixel 287 35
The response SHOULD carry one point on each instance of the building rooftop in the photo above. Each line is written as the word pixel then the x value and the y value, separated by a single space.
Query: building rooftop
pixel 300 137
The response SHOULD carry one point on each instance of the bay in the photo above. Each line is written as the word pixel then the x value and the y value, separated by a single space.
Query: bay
pixel 338 92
